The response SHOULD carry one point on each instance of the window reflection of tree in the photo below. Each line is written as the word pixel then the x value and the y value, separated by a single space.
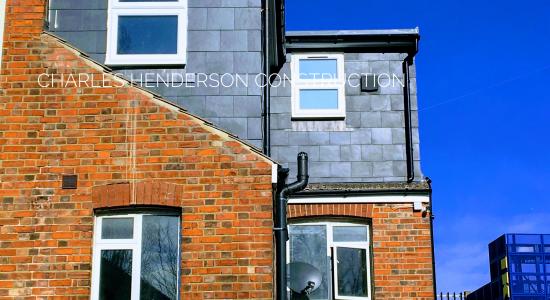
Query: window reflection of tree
pixel 116 274
pixel 351 272
pixel 159 258
pixel 309 245
pixel 121 259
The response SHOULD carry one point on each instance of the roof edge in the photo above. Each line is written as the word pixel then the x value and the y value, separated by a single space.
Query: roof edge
pixel 356 188
pixel 157 98
pixel 365 41
pixel 406 31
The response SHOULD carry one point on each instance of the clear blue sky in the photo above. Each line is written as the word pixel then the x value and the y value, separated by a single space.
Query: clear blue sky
pixel 484 97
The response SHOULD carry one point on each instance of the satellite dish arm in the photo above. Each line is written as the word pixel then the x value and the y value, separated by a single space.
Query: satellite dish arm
pixel 280 222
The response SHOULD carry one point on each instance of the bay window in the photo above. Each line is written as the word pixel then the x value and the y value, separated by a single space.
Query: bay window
pixel 147 32
pixel 318 86
pixel 136 256
pixel 341 251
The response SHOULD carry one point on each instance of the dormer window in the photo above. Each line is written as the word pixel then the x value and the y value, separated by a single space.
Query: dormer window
pixel 318 86
pixel 147 32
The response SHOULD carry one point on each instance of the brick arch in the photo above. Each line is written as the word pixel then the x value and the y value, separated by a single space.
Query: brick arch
pixel 139 193
pixel 330 210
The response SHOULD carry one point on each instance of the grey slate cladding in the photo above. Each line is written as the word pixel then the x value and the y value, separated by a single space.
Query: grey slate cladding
pixel 225 36
pixel 370 147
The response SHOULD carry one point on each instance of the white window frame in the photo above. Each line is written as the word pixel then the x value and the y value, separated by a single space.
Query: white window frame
pixel 117 9
pixel 299 84
pixel 133 244
pixel 331 244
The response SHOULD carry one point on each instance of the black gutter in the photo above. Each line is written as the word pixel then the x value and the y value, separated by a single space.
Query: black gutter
pixel 432 217
pixel 361 47
pixel 280 229
pixel 391 42
pixel 344 193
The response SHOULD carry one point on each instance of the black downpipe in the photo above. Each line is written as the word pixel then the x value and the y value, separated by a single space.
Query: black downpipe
pixel 408 123
pixel 432 217
pixel 281 229
pixel 266 113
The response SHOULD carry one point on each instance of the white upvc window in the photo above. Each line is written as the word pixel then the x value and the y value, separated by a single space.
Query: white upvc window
pixel 340 251
pixel 147 32
pixel 318 86
pixel 136 256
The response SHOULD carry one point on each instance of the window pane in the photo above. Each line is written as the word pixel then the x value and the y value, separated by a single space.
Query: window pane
pixel 318 69
pixel 523 248
pixel 159 257
pixel 115 277
pixel 352 272
pixel 526 264
pixel 308 244
pixel 527 284
pixel 117 228
pixel 527 239
pixel 350 233
pixel 148 0
pixel 147 35
pixel 319 99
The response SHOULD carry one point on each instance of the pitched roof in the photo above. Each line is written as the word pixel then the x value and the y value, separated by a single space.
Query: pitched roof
pixel 158 98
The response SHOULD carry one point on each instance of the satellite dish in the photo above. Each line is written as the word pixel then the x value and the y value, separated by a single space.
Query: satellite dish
pixel 303 278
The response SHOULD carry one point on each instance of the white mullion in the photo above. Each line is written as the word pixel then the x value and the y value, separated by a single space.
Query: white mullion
pixel 96 259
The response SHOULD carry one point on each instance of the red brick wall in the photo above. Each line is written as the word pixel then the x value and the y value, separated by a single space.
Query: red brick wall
pixel 401 245
pixel 109 135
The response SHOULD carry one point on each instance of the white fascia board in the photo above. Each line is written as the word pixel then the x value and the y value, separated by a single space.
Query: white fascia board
pixel 274 172
pixel 362 199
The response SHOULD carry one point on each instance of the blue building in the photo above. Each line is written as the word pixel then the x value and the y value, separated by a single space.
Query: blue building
pixel 520 269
